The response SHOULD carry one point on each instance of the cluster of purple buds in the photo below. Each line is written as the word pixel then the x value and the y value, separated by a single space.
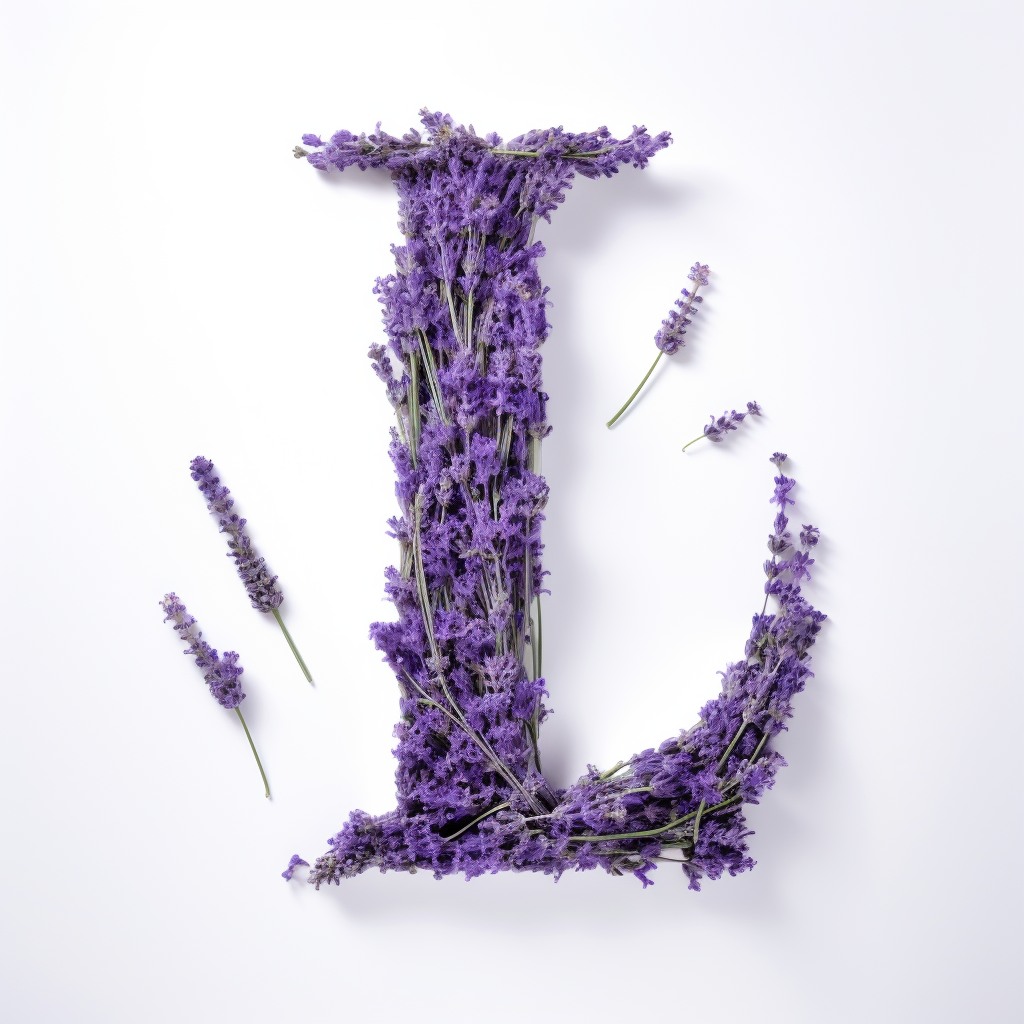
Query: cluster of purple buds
pixel 673 329
pixel 716 430
pixel 669 338
pixel 262 588
pixel 221 672
pixel 294 863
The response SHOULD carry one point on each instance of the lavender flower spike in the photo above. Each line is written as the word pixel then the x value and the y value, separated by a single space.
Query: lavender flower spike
pixel 295 862
pixel 716 430
pixel 670 338
pixel 262 588
pixel 221 672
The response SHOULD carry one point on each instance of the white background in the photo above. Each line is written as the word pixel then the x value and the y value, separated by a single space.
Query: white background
pixel 175 283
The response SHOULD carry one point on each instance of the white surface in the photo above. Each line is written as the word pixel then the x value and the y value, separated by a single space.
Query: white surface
pixel 175 283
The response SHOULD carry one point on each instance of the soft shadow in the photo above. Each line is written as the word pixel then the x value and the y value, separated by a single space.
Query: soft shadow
pixel 591 214
pixel 377 179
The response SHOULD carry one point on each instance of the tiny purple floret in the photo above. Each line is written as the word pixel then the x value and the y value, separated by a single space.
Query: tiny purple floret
pixel 221 672
pixel 262 588
pixel 295 862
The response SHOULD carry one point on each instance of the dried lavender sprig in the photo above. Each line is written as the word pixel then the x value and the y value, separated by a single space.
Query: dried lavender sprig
pixel 716 430
pixel 221 672
pixel 669 338
pixel 262 588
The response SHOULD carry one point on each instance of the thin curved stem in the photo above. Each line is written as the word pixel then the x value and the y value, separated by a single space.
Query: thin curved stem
pixel 266 785
pixel 291 644
pixel 696 821
pixel 563 156
pixel 611 771
pixel 700 437
pixel 656 831
pixel 629 401
pixel 724 759
pixel 489 811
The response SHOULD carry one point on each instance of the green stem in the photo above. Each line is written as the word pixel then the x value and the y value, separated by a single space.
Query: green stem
pixel 451 313
pixel 696 821
pixel 655 831
pixel 611 771
pixel 540 640
pixel 724 759
pixel 492 810
pixel 629 402
pixel 266 785
pixel 564 156
pixel 414 407
pixel 760 746
pixel 291 644
pixel 694 441
pixel 433 384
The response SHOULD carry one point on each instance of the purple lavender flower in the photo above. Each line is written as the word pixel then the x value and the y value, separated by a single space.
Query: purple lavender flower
pixel 716 430
pixel 465 317
pixel 779 458
pixel 221 672
pixel 809 535
pixel 262 588
pixel 669 338
pixel 673 328
pixel 295 862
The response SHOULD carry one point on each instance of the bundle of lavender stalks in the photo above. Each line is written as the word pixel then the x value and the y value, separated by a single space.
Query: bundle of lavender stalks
pixel 464 312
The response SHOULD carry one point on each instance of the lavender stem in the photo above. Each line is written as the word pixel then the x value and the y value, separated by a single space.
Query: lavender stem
pixel 724 759
pixel 696 821
pixel 655 831
pixel 489 811
pixel 291 644
pixel 637 392
pixel 699 437
pixel 266 785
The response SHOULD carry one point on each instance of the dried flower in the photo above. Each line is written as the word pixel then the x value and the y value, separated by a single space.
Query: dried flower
pixel 295 862
pixel 716 430
pixel 809 535
pixel 262 588
pixel 669 338
pixel 465 317
pixel 221 672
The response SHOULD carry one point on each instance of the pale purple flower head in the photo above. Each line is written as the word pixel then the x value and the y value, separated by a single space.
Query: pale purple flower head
pixel 717 429
pixel 261 587
pixel 221 672
pixel 753 409
pixel 779 458
pixel 698 274
pixel 809 535
pixel 295 862
pixel 670 338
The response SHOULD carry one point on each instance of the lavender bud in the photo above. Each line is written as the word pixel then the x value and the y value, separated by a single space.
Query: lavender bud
pixel 716 430
pixel 669 338
pixel 261 587
pixel 220 672
pixel 295 862
pixel 698 274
